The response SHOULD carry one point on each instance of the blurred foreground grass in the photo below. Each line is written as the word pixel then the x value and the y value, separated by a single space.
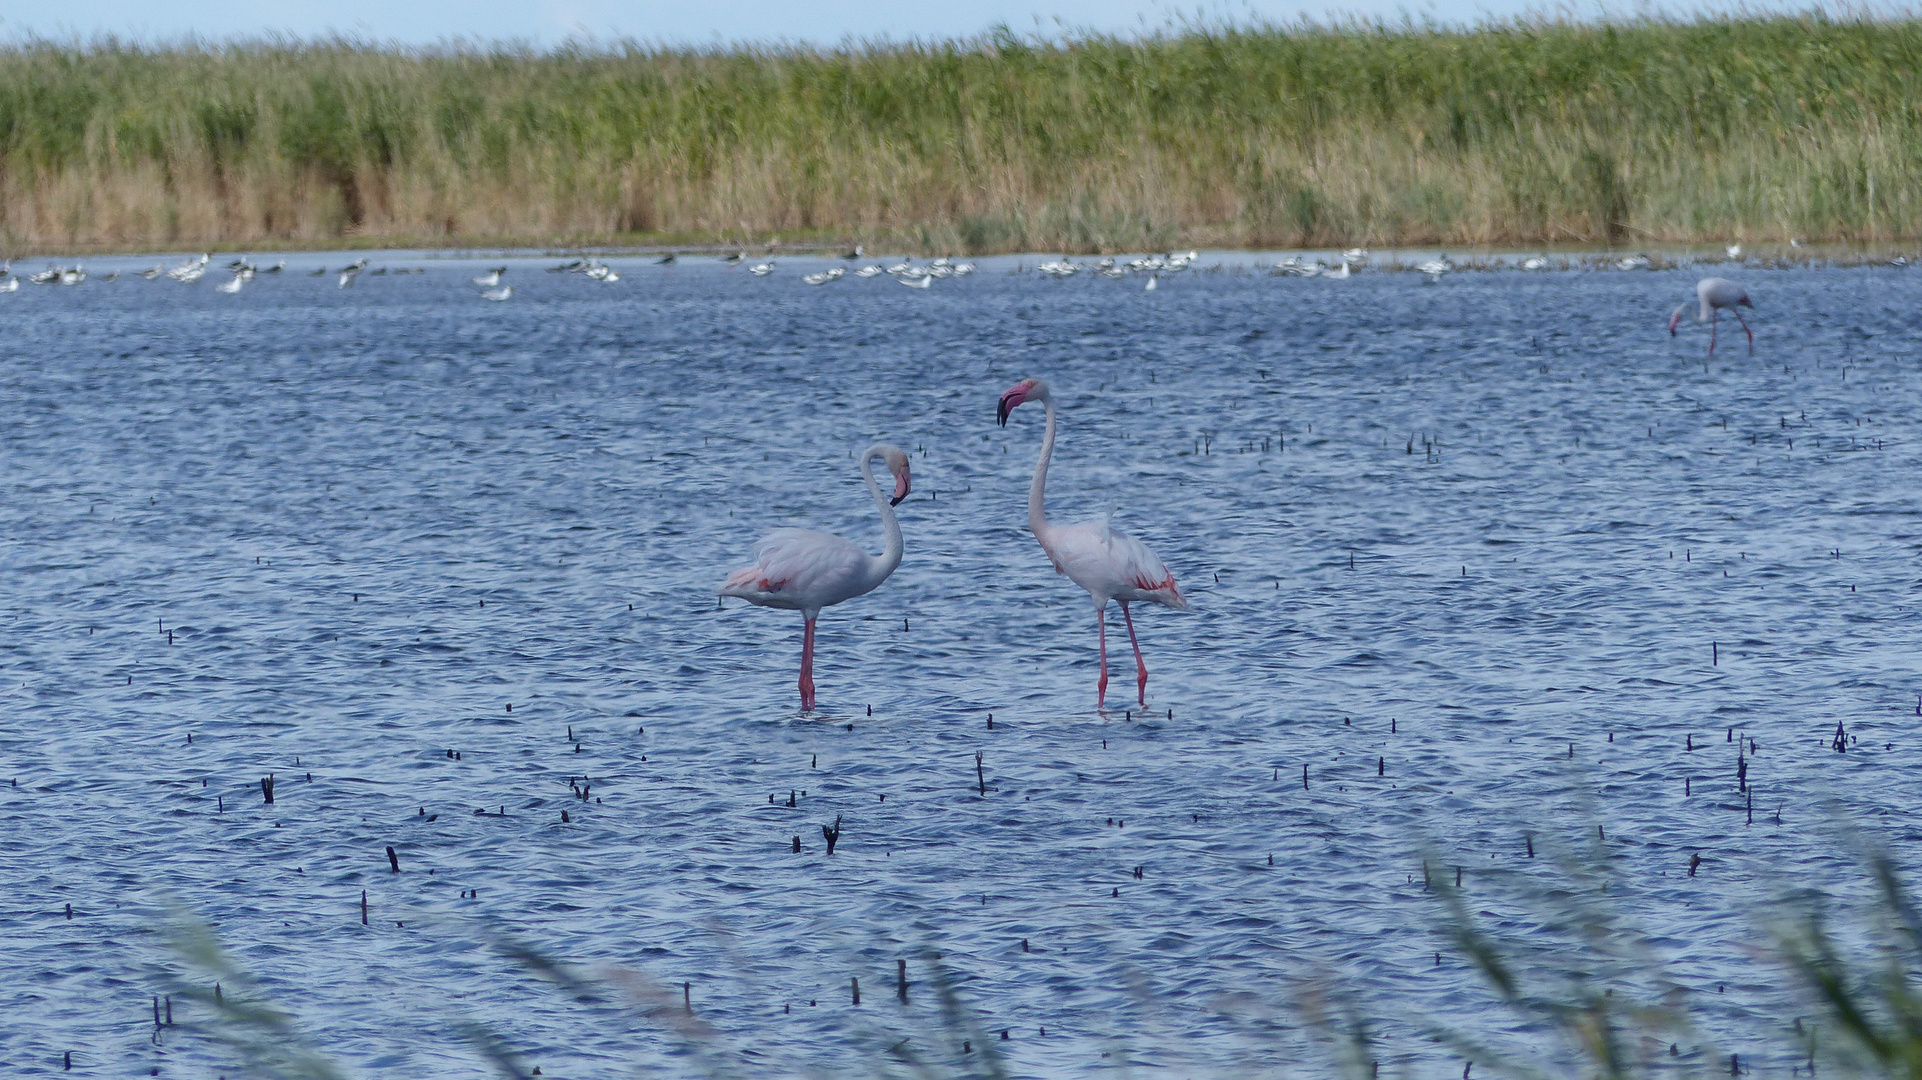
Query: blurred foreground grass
pixel 1584 990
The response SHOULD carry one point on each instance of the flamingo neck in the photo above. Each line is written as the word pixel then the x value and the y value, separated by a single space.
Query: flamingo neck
pixel 880 567
pixel 1038 491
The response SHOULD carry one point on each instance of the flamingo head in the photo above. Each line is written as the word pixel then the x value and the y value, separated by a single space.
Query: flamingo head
pixel 1025 390
pixel 897 461
pixel 1675 318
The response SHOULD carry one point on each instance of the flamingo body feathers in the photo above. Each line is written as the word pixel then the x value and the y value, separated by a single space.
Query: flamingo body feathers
pixel 1110 564
pixel 805 570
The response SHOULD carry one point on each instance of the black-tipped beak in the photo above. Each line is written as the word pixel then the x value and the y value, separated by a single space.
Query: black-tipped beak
pixel 896 501
pixel 1001 413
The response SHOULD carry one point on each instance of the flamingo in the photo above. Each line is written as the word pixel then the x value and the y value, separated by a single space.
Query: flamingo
pixel 1095 555
pixel 804 570
pixel 1717 293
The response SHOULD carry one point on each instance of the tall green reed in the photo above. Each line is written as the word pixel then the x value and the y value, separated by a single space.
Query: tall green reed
pixel 1526 131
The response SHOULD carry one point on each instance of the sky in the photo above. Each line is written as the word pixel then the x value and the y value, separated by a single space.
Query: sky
pixel 689 22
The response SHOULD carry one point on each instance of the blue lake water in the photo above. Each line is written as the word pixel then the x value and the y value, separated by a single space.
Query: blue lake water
pixel 1483 556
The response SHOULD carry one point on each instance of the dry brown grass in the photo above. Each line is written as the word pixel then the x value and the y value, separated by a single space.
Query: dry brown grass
pixel 1531 132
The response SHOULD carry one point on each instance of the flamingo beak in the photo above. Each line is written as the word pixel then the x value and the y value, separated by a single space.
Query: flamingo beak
pixel 1015 396
pixel 900 485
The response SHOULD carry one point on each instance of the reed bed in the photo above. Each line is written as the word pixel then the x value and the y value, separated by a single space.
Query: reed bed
pixel 1526 132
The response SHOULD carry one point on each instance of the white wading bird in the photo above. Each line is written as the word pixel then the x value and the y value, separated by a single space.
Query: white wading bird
pixel 1095 555
pixel 804 570
pixel 1715 294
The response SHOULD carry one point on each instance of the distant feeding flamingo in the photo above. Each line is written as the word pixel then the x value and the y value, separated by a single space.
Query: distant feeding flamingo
pixel 1095 555
pixel 804 570
pixel 1717 293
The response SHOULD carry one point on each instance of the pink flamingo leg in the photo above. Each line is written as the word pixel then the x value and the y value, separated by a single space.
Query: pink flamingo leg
pixel 1715 316
pixel 807 667
pixel 1746 330
pixel 1141 666
pixel 1101 625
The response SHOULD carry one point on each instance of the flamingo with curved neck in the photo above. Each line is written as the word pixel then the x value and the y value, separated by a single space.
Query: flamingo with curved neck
pixel 1095 555
pixel 804 570
pixel 1715 294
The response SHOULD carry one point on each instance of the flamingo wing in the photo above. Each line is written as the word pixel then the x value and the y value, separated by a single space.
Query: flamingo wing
pixel 799 568
pixel 1110 563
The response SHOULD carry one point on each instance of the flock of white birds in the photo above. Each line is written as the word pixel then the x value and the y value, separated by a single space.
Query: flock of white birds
pixel 906 272
pixel 488 286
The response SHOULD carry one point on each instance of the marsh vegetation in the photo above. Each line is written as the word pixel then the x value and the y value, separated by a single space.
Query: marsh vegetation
pixel 1523 132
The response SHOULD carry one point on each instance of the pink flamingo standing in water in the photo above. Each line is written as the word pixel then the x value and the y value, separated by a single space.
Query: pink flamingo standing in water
pixel 1717 293
pixel 804 570
pixel 1095 555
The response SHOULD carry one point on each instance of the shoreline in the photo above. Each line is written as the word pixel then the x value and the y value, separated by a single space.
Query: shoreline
pixel 1465 257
